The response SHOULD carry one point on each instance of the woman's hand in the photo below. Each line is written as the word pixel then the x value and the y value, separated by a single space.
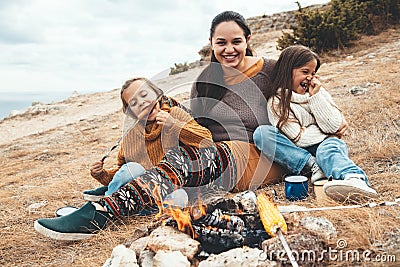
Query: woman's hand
pixel 315 85
pixel 165 119
pixel 96 169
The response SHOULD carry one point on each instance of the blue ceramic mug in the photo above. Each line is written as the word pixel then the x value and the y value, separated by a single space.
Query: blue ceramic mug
pixel 296 187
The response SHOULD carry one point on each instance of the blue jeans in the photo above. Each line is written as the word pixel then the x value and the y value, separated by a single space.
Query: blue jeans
pixel 331 154
pixel 124 175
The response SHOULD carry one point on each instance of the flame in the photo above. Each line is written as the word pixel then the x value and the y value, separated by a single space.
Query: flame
pixel 183 217
pixel 224 217
pixel 184 221
pixel 239 211
pixel 198 211
pixel 202 208
pixel 157 199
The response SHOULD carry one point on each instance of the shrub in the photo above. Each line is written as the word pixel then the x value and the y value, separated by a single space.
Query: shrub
pixel 342 23
pixel 383 13
pixel 180 67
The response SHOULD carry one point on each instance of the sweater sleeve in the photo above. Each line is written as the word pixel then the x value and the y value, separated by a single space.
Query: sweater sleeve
pixel 326 113
pixel 301 135
pixel 189 131
pixel 107 174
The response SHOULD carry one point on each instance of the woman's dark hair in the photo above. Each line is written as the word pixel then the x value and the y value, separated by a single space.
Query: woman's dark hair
pixel 292 57
pixel 230 16
pixel 210 83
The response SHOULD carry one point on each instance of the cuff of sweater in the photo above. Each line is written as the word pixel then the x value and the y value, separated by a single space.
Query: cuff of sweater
pixel 102 178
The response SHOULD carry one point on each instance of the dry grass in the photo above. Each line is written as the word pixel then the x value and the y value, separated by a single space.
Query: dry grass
pixel 53 166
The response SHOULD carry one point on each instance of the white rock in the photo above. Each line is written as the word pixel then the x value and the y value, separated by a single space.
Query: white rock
pixel 139 244
pixel 33 207
pixel 170 239
pixel 238 257
pixel 320 225
pixel 146 258
pixel 122 257
pixel 74 94
pixel 170 259
pixel 15 112
pixel 357 90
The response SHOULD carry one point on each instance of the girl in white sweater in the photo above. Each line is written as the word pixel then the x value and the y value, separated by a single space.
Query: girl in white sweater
pixel 313 124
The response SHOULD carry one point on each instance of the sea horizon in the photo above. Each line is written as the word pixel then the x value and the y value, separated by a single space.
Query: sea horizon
pixel 17 101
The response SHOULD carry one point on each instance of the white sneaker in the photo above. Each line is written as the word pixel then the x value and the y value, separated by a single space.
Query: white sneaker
pixel 313 170
pixel 353 188
pixel 316 173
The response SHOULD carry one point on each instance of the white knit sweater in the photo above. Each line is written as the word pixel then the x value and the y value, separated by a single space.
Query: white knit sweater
pixel 311 118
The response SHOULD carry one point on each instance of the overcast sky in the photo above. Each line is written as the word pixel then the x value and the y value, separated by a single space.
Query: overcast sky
pixel 95 45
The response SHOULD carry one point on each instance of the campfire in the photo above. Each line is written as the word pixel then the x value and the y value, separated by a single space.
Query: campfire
pixel 242 229
pixel 222 223
pixel 231 229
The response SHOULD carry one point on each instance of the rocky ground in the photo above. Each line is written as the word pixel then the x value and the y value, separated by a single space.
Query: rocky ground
pixel 45 155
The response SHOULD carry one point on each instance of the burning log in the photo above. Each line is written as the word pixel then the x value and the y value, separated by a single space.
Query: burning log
pixel 216 240
pixel 221 224
pixel 220 220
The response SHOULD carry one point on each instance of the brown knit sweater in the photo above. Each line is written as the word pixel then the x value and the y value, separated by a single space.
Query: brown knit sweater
pixel 147 145
pixel 242 109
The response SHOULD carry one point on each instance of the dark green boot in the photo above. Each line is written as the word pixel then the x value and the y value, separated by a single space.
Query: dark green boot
pixel 78 225
pixel 95 194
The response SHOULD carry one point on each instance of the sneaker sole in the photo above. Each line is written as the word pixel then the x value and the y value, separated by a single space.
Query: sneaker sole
pixel 60 236
pixel 345 192
pixel 93 198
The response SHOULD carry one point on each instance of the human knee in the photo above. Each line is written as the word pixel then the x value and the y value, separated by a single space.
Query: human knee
pixel 263 134
pixel 329 146
pixel 135 168
pixel 129 171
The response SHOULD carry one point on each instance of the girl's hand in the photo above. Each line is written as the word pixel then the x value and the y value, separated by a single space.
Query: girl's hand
pixel 96 169
pixel 315 85
pixel 165 119
pixel 344 127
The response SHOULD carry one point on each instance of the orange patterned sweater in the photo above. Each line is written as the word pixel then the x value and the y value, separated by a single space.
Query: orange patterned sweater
pixel 147 145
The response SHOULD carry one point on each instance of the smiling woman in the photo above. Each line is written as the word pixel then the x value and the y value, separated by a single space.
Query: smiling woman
pixel 230 98
pixel 230 45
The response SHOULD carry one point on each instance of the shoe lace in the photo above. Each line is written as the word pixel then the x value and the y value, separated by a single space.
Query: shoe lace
pixel 315 168
pixel 355 177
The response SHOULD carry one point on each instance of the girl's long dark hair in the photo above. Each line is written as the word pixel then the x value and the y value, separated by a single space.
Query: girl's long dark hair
pixel 210 83
pixel 292 57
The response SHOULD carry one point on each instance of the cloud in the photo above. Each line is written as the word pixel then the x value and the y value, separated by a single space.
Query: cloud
pixel 97 44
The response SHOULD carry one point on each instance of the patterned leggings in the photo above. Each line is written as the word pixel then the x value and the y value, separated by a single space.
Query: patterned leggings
pixel 184 166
